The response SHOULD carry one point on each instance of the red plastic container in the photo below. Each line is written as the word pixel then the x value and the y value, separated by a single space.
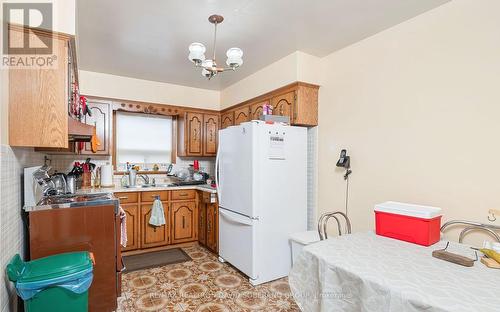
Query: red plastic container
pixel 412 223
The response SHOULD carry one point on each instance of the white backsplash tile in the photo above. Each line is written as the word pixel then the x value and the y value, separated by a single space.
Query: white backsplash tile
pixel 12 163
pixel 64 163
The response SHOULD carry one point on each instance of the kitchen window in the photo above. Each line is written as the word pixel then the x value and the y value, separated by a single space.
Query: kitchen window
pixel 143 140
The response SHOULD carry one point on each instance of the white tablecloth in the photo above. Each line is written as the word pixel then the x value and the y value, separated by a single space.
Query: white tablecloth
pixel 366 272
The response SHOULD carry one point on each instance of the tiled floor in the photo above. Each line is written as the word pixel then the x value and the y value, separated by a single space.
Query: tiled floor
pixel 202 285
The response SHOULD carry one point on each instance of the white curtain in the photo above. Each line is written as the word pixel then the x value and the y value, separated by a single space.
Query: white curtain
pixel 143 139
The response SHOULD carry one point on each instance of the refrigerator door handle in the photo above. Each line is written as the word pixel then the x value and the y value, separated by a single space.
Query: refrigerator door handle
pixel 217 173
pixel 236 218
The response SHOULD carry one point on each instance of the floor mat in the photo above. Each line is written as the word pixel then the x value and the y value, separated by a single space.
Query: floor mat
pixel 154 259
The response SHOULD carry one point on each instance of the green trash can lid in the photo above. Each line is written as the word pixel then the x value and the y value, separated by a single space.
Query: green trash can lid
pixel 55 266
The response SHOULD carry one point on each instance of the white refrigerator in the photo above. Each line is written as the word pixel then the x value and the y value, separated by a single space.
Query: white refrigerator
pixel 262 190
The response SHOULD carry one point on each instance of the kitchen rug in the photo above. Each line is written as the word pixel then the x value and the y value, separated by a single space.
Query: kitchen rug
pixel 154 259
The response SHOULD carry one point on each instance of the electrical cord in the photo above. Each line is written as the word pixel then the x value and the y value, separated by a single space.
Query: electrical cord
pixel 346 194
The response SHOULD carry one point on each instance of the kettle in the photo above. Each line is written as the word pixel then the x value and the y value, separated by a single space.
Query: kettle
pixel 59 180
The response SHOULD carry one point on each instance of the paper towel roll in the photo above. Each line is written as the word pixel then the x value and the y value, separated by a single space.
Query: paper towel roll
pixel 106 175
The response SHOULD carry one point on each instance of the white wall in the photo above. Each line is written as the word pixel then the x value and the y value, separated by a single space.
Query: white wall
pixel 418 108
pixel 112 86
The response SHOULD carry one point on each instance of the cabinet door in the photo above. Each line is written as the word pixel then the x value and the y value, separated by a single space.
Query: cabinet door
pixel 153 236
pixel 227 119
pixel 132 213
pixel 183 222
pixel 256 109
pixel 241 114
pixel 38 96
pixel 202 224
pixel 212 228
pixel 283 104
pixel 210 134
pixel 194 122
pixel 101 119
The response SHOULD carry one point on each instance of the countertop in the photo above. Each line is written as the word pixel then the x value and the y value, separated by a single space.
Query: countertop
pixel 120 189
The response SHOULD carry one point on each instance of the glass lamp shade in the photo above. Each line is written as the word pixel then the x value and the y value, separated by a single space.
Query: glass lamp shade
pixel 196 52
pixel 234 62
pixel 196 58
pixel 234 57
pixel 207 63
pixel 234 53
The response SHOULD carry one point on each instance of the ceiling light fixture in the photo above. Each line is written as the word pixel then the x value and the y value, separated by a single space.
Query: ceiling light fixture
pixel 209 66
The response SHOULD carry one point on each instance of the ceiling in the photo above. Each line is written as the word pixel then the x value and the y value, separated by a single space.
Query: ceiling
pixel 149 39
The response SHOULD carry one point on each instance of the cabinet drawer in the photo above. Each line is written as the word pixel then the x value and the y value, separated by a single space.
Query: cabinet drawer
pixel 150 196
pixel 127 197
pixel 183 194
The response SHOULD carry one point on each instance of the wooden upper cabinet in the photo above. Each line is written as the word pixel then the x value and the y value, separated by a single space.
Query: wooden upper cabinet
pixel 101 119
pixel 194 123
pixel 241 114
pixel 298 100
pixel 283 104
pixel 184 225
pixel 210 134
pixel 38 97
pixel 197 134
pixel 154 236
pixel 256 109
pixel 227 119
pixel 306 106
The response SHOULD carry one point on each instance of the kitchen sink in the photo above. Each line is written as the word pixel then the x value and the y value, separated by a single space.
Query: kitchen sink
pixel 132 187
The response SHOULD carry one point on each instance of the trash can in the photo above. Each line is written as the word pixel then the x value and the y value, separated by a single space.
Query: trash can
pixel 302 239
pixel 56 283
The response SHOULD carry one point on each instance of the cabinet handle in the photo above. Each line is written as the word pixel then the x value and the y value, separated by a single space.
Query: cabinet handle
pixel 211 135
pixel 195 134
pixel 123 197
pixel 183 222
pixel 208 226
pixel 183 194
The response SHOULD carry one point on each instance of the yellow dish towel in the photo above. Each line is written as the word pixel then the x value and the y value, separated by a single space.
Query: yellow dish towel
pixel 157 214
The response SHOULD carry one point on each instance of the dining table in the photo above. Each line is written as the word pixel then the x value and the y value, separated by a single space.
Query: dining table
pixel 367 272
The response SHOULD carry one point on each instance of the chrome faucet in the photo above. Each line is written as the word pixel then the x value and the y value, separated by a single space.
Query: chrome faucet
pixel 145 177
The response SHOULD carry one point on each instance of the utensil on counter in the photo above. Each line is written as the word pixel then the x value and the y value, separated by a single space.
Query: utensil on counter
pixel 132 178
pixel 71 183
pixel 453 258
pixel 59 180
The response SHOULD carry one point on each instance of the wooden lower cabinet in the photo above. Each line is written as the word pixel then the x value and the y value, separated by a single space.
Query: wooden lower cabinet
pixel 133 223
pixel 183 222
pixel 189 216
pixel 154 236
pixel 212 227
pixel 202 224
pixel 208 228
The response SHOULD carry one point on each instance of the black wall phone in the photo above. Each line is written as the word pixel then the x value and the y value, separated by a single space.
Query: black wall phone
pixel 345 162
